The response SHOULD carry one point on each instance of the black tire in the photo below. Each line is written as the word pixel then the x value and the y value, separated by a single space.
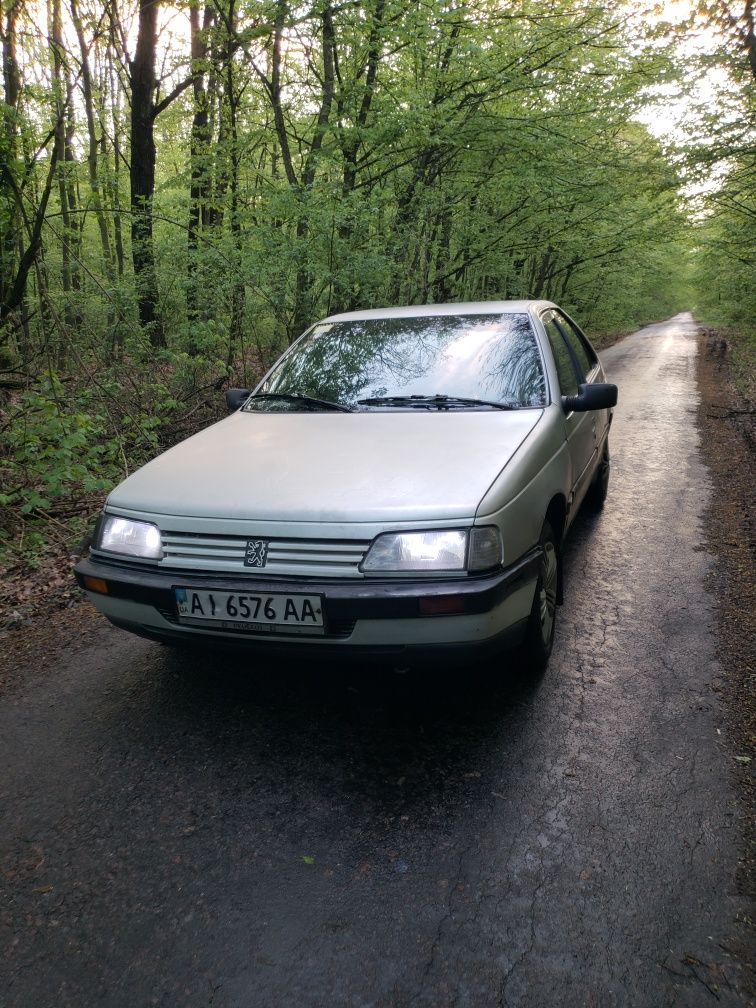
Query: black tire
pixel 539 635
pixel 599 488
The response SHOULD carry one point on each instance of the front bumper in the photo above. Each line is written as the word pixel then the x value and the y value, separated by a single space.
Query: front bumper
pixel 368 617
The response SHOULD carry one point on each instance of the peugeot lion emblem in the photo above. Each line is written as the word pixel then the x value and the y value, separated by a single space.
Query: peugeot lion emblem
pixel 256 553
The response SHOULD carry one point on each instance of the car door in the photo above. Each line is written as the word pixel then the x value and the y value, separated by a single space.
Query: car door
pixel 580 428
pixel 588 363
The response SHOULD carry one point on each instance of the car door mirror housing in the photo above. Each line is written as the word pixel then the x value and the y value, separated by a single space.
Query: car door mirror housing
pixel 596 396
pixel 236 397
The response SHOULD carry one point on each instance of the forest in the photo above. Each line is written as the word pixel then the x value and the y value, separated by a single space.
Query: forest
pixel 185 187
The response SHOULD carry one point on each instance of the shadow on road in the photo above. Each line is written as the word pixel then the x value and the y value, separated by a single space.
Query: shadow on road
pixel 366 726
pixel 383 744
pixel 369 715
pixel 386 746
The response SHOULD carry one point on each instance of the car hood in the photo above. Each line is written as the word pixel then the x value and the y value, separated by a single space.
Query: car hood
pixel 331 467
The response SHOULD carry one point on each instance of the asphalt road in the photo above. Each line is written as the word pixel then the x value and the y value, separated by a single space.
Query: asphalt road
pixel 187 831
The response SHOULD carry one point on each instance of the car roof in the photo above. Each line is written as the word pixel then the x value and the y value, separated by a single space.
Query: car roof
pixel 455 308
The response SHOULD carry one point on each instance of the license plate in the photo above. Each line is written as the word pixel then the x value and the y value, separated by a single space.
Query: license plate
pixel 265 613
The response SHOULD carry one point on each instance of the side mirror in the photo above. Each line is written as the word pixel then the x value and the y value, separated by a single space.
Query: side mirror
pixel 236 397
pixel 596 396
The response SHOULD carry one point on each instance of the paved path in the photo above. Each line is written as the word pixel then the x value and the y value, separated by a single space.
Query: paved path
pixel 178 834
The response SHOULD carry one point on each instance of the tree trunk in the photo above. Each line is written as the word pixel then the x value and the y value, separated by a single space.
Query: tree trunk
pixel 9 149
pixel 113 187
pixel 92 153
pixel 236 323
pixel 76 219
pixel 199 155
pixel 351 144
pixel 274 90
pixel 142 171
pixel 15 290
pixel 61 144
pixel 303 301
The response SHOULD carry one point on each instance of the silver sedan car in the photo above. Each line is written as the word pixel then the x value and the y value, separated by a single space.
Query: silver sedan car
pixel 398 486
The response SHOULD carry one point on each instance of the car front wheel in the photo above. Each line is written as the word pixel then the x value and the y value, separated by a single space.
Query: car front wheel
pixel 539 635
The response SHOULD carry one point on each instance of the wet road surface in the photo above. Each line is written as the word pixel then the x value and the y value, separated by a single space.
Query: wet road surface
pixel 190 831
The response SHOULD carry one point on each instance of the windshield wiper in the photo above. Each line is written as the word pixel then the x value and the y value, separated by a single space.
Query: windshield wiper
pixel 310 400
pixel 440 402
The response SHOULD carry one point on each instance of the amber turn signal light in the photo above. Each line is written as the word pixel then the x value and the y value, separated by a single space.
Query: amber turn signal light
pixel 442 605
pixel 96 584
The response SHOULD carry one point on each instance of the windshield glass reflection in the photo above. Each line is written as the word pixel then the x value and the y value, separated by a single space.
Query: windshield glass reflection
pixel 491 357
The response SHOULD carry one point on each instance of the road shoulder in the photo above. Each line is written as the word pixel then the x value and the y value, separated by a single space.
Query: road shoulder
pixel 728 442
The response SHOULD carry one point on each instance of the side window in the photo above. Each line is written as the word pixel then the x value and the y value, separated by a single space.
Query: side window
pixel 568 379
pixel 580 347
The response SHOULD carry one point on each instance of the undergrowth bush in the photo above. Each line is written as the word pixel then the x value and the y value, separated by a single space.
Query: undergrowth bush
pixel 53 448
pixel 66 440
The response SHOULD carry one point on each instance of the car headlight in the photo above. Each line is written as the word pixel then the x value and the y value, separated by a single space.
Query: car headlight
pixel 442 550
pixel 135 538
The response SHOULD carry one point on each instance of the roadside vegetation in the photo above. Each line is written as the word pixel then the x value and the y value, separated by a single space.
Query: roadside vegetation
pixel 184 188
pixel 722 147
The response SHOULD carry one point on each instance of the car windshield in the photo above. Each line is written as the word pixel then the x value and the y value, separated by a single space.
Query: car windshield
pixel 429 362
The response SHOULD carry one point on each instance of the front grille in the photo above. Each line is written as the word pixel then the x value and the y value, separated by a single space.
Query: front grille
pixel 295 557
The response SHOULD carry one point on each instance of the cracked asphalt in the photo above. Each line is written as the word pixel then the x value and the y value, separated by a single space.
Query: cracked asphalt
pixel 189 830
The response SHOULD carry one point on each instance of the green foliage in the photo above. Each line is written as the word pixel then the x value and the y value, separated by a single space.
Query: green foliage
pixel 65 444
pixel 726 256
pixel 51 449
pixel 722 163
pixel 458 155
pixel 407 153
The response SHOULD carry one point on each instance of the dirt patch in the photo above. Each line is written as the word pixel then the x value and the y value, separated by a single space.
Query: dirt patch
pixel 42 611
pixel 32 644
pixel 728 428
